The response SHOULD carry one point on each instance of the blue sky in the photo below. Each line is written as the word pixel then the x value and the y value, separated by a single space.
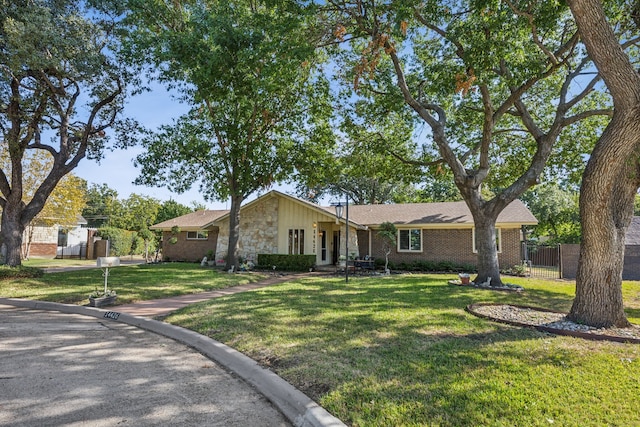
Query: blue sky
pixel 116 169
pixel 151 109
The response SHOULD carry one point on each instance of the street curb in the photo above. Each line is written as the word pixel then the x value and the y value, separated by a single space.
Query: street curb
pixel 295 405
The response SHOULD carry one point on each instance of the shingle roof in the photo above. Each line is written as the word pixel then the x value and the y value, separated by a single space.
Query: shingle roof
pixel 434 213
pixel 632 237
pixel 371 215
pixel 197 220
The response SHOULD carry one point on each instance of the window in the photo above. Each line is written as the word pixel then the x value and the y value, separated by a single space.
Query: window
pixel 296 241
pixel 410 240
pixel 498 240
pixel 197 235
pixel 63 237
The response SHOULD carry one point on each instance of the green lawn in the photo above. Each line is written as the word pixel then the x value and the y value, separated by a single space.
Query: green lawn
pixel 394 351
pixel 57 262
pixel 401 351
pixel 131 282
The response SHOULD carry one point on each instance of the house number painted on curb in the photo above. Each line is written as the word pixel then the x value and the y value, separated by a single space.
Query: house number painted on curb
pixel 112 315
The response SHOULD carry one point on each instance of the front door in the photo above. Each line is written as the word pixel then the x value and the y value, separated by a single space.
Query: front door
pixel 336 247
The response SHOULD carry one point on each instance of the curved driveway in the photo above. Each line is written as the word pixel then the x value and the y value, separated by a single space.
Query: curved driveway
pixel 80 366
pixel 69 369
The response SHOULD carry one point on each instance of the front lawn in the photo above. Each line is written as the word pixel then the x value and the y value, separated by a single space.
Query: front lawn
pixel 401 351
pixel 131 282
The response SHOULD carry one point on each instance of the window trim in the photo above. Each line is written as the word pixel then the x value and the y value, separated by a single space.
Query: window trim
pixel 409 250
pixel 498 238
pixel 200 235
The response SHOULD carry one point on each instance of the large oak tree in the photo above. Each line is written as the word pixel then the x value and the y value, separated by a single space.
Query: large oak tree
pixel 493 82
pixel 612 175
pixel 61 88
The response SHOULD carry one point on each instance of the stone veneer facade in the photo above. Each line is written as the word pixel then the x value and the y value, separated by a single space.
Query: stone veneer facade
pixel 258 231
pixel 354 242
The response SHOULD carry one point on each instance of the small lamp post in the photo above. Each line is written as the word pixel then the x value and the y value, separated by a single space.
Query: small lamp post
pixel 339 210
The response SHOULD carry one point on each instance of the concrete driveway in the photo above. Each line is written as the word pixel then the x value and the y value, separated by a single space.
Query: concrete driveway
pixel 74 370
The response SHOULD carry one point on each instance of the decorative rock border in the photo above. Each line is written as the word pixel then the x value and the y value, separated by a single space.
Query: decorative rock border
pixel 555 322
pixel 505 288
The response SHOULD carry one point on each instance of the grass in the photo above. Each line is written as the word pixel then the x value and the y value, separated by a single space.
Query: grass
pixel 394 351
pixel 57 262
pixel 401 351
pixel 131 282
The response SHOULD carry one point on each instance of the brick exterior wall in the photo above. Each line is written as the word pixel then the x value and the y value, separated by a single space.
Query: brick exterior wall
pixel 187 250
pixel 43 250
pixel 453 245
pixel 510 255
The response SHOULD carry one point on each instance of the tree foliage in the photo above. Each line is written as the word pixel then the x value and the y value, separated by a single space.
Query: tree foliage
pixel 61 89
pixel 170 209
pixel 102 204
pixel 363 164
pixel 247 69
pixel 494 84
pixel 136 213
pixel 557 212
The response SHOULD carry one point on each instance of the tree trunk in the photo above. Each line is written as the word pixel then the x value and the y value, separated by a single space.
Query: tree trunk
pixel 608 190
pixel 485 235
pixel 11 236
pixel 27 245
pixel 610 179
pixel 234 232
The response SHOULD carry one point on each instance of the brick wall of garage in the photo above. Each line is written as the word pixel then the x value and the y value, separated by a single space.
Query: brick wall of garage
pixel 187 250
pixel 453 245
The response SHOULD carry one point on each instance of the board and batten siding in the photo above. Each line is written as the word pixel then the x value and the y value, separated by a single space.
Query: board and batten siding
pixel 265 225
pixel 296 216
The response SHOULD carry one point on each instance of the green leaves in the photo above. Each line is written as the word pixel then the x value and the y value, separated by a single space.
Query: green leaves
pixel 250 70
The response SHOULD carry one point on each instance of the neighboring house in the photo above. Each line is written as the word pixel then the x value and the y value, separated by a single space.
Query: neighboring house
pixel 570 253
pixel 51 241
pixel 631 269
pixel 277 223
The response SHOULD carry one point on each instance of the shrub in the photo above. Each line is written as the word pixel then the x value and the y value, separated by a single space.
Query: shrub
pixel 286 262
pixel 516 270
pixel 120 241
pixel 432 266
pixel 20 272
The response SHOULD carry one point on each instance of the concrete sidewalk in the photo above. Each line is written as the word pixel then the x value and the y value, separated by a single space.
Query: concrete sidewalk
pixel 73 365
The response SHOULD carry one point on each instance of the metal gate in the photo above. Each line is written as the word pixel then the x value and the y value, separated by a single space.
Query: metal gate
pixel 541 260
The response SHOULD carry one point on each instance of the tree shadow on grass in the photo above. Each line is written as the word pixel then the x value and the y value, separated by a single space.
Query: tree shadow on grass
pixel 390 352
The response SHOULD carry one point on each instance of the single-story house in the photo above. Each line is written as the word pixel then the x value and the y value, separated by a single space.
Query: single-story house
pixel 189 237
pixel 277 223
pixel 51 241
